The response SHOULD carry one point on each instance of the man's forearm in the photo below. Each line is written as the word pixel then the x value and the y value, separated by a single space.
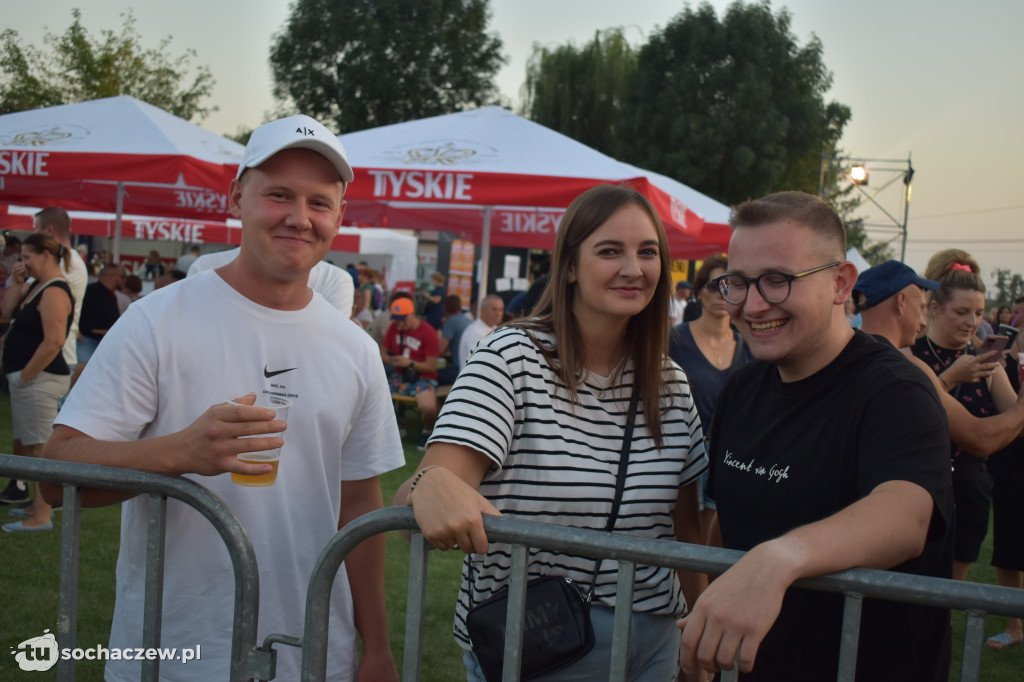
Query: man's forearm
pixel 882 530
pixel 365 567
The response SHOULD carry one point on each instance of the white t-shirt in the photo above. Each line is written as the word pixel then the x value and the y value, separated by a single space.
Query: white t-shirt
pixel 78 278
pixel 676 308
pixel 329 281
pixel 470 336
pixel 185 262
pixel 170 357
pixel 556 463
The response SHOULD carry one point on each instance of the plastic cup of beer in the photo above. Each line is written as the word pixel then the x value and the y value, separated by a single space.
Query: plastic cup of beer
pixel 273 457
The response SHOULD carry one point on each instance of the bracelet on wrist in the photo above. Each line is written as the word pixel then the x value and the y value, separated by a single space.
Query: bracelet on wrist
pixel 419 476
pixel 944 384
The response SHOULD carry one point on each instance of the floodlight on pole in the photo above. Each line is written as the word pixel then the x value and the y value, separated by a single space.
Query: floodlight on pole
pixel 855 172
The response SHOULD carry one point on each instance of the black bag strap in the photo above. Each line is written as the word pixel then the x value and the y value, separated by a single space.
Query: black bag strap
pixel 620 485
pixel 620 481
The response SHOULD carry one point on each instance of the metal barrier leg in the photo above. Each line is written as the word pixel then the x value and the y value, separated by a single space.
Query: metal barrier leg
pixel 732 675
pixel 974 640
pixel 154 604
pixel 515 617
pixel 415 606
pixel 849 639
pixel 619 664
pixel 67 603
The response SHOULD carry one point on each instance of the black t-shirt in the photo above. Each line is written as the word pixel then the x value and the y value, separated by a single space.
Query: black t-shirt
pixel 99 310
pixel 784 455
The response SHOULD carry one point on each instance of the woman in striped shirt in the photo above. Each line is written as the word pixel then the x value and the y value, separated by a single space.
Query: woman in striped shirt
pixel 533 429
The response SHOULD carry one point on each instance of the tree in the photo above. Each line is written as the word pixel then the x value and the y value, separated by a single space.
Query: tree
pixel 733 107
pixel 1009 287
pixel 364 63
pixel 581 92
pixel 75 66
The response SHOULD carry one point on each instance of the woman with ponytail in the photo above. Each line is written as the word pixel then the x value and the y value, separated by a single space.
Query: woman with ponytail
pixel 40 312
pixel 980 384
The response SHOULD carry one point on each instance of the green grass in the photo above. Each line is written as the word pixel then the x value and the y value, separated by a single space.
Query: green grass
pixel 29 573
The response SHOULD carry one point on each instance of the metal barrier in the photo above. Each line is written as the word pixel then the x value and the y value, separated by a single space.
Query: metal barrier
pixel 977 600
pixel 247 661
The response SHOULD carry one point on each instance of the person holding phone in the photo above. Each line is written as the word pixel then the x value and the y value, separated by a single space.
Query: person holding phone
pixel 955 309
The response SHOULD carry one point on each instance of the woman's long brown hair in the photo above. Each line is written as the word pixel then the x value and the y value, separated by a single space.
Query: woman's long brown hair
pixel 646 338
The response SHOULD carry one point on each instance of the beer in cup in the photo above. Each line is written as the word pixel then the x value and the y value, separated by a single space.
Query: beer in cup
pixel 273 457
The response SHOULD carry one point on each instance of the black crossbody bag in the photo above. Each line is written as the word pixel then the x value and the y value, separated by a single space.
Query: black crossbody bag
pixel 557 630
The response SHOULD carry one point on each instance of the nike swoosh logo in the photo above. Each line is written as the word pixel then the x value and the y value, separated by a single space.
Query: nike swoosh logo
pixel 267 373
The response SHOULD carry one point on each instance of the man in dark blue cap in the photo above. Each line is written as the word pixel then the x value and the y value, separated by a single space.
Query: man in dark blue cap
pixel 891 300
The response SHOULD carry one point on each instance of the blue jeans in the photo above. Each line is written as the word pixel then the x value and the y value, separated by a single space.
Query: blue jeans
pixel 653 651
pixel 86 347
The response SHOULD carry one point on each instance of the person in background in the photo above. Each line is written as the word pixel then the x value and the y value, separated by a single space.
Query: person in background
pixel 983 387
pixel 492 310
pixel 455 323
pixel 99 310
pixel 976 381
pixel 365 290
pixel 167 370
pixel 708 349
pixel 410 351
pixel 434 309
pixel 12 251
pixel 360 315
pixel 893 303
pixel 154 267
pixel 40 308
pixel 535 424
pixel 678 303
pixel 186 260
pixel 327 280
pixel 859 476
pixel 55 222
pixel 129 293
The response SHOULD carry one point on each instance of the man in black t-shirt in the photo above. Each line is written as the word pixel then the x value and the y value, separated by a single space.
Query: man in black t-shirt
pixel 99 310
pixel 826 454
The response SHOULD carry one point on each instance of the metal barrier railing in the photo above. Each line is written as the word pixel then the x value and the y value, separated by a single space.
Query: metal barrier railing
pixel 247 661
pixel 977 600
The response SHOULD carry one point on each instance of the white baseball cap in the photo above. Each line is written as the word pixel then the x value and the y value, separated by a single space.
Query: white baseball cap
pixel 294 132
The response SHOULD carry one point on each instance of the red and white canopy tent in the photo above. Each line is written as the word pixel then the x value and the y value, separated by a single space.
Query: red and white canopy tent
pixel 115 155
pixel 495 178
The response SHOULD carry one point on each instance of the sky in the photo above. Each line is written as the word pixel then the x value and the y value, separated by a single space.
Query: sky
pixel 938 81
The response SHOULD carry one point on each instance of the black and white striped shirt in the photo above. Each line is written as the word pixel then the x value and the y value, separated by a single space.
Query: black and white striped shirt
pixel 555 462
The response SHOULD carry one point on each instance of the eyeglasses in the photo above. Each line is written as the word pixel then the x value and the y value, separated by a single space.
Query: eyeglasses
pixel 774 287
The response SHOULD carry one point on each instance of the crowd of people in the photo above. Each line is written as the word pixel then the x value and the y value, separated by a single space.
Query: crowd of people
pixel 741 411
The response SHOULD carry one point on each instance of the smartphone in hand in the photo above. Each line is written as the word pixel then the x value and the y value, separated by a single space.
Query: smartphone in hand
pixel 995 343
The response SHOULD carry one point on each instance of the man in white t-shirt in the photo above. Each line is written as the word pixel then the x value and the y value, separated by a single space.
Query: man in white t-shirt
pixel 154 398
pixel 186 260
pixel 329 281
pixel 492 309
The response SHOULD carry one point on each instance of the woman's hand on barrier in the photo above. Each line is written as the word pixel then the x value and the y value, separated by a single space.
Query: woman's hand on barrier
pixel 968 369
pixel 211 444
pixel 448 509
